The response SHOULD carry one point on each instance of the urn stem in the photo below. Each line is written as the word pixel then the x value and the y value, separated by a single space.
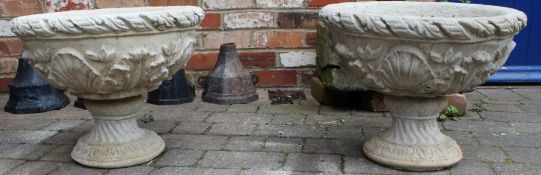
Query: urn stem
pixel 414 140
pixel 116 140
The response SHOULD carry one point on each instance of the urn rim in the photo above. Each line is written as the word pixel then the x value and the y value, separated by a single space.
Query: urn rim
pixel 114 21
pixel 425 20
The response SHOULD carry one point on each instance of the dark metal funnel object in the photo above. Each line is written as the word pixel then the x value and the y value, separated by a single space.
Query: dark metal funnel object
pixel 229 82
pixel 172 92
pixel 29 93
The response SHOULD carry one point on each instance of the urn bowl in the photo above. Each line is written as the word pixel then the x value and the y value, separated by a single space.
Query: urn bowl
pixel 110 57
pixel 421 48
pixel 109 53
pixel 415 53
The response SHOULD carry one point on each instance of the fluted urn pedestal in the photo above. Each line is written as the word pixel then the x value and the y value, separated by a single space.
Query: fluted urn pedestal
pixel 415 53
pixel 110 57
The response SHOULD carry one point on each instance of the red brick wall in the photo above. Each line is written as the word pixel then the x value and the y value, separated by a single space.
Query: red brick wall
pixel 275 38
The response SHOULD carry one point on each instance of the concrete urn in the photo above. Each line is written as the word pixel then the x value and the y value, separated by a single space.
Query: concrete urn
pixel 415 53
pixel 110 57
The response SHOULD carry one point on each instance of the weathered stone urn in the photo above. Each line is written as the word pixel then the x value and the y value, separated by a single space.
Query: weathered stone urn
pixel 110 57
pixel 415 53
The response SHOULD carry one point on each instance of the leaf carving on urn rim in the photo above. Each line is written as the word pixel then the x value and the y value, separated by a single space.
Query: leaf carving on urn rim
pixel 370 52
pixel 449 57
pixel 141 54
pixel 103 55
pixel 64 26
pixel 413 28
pixel 89 25
pixel 481 56
pixel 480 27
pixel 425 29
pixel 170 48
pixel 136 23
pixel 452 28
pixel 160 21
pixel 42 55
pixel 344 51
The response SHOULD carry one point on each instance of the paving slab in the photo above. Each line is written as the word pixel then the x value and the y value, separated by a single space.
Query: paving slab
pixel 278 144
pixel 531 106
pixel 179 116
pixel 159 127
pixel 24 136
pixel 60 154
pixel 512 117
pixel 191 128
pixel 472 167
pixel 221 117
pixel 483 153
pixel 516 168
pixel 475 95
pixel 334 119
pixel 289 109
pixel 506 139
pixel 199 142
pixel 193 171
pixel 24 151
pixel 232 128
pixel 462 138
pixel 501 94
pixel 313 163
pixel 477 126
pixel 210 107
pixel 71 168
pixel 360 165
pixel 65 138
pixel 62 125
pixel 527 128
pixel 245 143
pixel 86 126
pixel 355 133
pixel 367 121
pixel 177 157
pixel 135 170
pixel 268 172
pixel 185 107
pixel 230 159
pixel 243 108
pixel 310 131
pixel 532 94
pixel 35 168
pixel 524 155
pixel 6 165
pixel 503 108
pixel 288 119
pixel 25 124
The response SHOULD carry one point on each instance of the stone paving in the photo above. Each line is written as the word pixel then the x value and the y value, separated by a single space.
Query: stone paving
pixel 260 139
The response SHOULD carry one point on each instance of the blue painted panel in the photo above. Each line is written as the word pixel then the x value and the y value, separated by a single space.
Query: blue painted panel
pixel 524 64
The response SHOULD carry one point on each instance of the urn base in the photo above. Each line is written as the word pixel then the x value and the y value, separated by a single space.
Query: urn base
pixel 116 140
pixel 121 154
pixel 413 142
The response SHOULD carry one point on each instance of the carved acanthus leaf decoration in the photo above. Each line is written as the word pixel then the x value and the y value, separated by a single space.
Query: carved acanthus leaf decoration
pixel 103 54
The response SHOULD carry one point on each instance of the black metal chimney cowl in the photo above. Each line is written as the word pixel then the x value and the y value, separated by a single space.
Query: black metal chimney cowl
pixel 228 82
pixel 29 93
pixel 172 92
